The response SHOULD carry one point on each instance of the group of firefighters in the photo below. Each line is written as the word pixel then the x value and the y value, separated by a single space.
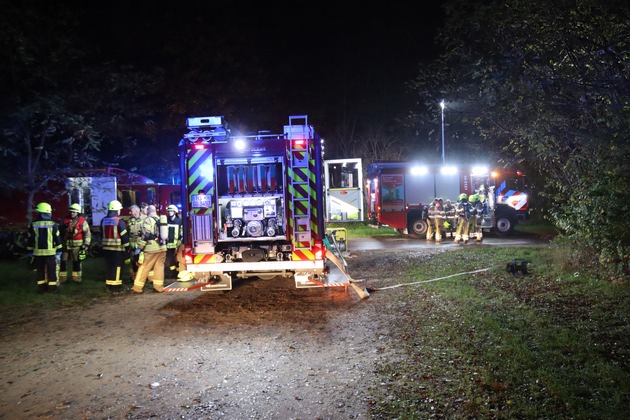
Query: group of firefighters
pixel 462 219
pixel 149 242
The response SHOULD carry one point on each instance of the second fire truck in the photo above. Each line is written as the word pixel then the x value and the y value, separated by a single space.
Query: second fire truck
pixel 253 205
pixel 400 192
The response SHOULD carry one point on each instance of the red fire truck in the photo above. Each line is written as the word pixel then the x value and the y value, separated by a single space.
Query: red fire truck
pixel 399 194
pixel 253 205
pixel 92 189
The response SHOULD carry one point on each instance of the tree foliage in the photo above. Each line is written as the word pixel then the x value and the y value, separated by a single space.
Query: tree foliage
pixel 548 85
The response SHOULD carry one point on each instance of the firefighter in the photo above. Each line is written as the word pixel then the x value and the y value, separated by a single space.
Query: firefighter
pixel 44 246
pixel 476 217
pixel 152 252
pixel 115 243
pixel 462 211
pixel 76 236
pixel 172 243
pixel 134 222
pixel 430 217
pixel 436 220
pixel 450 222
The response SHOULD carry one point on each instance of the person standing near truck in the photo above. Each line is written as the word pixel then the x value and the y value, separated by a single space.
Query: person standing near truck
pixel 44 246
pixel 152 252
pixel 134 225
pixel 115 242
pixel 462 211
pixel 172 243
pixel 76 240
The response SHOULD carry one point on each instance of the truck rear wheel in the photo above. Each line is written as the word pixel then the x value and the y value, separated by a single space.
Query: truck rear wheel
pixel 504 225
pixel 418 227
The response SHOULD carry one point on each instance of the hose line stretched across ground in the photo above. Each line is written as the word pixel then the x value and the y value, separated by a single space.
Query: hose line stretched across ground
pixel 429 281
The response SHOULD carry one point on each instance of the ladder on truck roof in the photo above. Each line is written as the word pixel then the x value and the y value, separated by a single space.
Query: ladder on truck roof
pixel 298 137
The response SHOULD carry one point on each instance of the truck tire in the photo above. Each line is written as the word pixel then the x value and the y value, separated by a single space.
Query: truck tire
pixel 418 227
pixel 504 225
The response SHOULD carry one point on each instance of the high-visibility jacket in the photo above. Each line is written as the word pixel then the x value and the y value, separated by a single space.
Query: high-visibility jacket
pixel 43 238
pixel 149 240
pixel 77 232
pixel 115 235
pixel 134 227
pixel 174 233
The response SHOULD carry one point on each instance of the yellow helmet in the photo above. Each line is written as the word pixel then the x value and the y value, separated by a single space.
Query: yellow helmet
pixel 172 207
pixel 75 207
pixel 43 208
pixel 114 205
pixel 463 196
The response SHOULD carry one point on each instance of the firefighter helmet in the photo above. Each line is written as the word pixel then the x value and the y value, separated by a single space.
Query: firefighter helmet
pixel 75 207
pixel 114 205
pixel 43 208
pixel 474 197
pixel 463 197
pixel 172 207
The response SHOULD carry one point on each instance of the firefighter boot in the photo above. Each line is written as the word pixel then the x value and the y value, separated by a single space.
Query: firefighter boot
pixel 76 276
pixel 158 285
pixel 457 238
pixel 438 236
pixel 63 276
pixel 137 289
pixel 479 237
pixel 465 238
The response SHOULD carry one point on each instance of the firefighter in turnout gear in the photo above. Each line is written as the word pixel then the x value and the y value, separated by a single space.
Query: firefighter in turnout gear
pixel 134 224
pixel 44 245
pixel 115 243
pixel 152 252
pixel 450 219
pixel 476 218
pixel 462 211
pixel 436 220
pixel 77 236
pixel 172 242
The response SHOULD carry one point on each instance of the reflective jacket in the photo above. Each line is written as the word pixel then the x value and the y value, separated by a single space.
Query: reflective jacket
pixel 43 238
pixel 134 230
pixel 149 240
pixel 115 235
pixel 174 233
pixel 77 232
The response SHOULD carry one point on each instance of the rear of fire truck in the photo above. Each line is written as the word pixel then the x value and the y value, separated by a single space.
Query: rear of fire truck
pixel 253 205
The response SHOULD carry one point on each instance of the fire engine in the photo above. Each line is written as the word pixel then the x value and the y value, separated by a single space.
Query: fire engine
pixel 253 205
pixel 400 192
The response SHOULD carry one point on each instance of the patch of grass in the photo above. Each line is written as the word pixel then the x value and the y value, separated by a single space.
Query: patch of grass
pixel 537 226
pixel 491 345
pixel 18 286
pixel 364 230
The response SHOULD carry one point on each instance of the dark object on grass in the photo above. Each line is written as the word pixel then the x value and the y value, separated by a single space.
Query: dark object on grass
pixel 518 267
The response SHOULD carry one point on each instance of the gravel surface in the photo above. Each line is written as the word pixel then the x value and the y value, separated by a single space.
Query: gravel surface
pixel 264 350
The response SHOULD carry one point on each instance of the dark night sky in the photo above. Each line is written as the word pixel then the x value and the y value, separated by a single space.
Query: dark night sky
pixel 318 52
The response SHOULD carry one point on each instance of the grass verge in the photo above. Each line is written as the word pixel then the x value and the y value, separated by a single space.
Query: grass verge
pixel 552 344
pixel 18 286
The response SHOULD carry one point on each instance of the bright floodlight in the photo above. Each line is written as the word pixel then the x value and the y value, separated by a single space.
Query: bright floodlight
pixel 239 144
pixel 448 170
pixel 419 170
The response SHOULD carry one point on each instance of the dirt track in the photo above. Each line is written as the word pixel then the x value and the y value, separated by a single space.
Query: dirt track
pixel 264 350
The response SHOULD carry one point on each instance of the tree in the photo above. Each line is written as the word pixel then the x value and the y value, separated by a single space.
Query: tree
pixel 548 84
pixel 44 140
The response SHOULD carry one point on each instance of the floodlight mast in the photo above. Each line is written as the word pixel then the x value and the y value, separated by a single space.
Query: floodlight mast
pixel 442 106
